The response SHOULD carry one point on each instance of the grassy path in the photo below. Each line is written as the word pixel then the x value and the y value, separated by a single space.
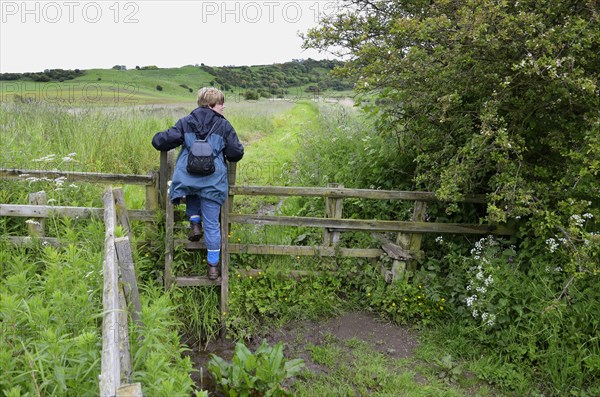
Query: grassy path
pixel 269 157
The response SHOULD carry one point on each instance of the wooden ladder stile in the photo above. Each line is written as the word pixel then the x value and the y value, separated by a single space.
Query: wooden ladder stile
pixel 171 243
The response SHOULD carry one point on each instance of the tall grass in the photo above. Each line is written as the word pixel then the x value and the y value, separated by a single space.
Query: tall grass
pixel 51 317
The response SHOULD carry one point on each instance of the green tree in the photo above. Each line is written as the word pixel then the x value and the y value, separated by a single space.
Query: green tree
pixel 490 96
pixel 497 97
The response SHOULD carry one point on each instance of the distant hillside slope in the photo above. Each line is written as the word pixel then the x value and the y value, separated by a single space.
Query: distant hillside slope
pixel 315 75
pixel 150 84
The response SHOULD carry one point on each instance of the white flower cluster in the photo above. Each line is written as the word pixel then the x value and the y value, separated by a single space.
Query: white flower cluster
pixel 46 159
pixel 488 319
pixel 58 181
pixel 51 157
pixel 552 244
pixel 471 300
pixel 577 220
pixel 481 281
pixel 439 240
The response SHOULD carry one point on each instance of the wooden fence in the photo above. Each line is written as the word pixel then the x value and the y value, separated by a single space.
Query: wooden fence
pixel 120 290
pixel 404 249
pixel 115 376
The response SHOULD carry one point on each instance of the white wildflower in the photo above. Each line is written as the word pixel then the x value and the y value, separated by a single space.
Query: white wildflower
pixel 488 280
pixel 577 220
pixel 471 299
pixel 481 290
pixel 552 244
pixel 45 159
pixel 587 215
pixel 439 239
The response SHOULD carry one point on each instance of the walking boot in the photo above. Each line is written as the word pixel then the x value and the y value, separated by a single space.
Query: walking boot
pixel 195 231
pixel 213 272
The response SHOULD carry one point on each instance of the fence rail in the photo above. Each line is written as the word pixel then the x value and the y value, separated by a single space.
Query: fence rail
pixel 152 181
pixel 337 192
pixel 115 376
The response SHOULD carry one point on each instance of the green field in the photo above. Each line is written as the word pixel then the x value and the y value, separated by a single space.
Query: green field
pixel 50 297
pixel 112 87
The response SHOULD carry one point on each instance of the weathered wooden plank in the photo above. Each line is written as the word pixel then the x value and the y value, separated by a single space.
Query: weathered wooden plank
pixel 110 365
pixel 296 250
pixel 169 244
pixel 344 192
pixel 121 211
pixel 132 293
pixel 371 225
pixel 20 240
pixel 153 193
pixel 74 176
pixel 131 390
pixel 295 274
pixel 419 215
pixel 224 266
pixel 190 245
pixel 167 164
pixel 195 281
pixel 393 250
pixel 37 226
pixel 163 179
pixel 124 348
pixel 37 211
pixel 333 209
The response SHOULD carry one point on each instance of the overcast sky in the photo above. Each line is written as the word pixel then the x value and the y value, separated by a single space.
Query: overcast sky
pixel 38 35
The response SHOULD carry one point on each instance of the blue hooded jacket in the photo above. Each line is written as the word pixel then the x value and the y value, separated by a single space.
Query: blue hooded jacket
pixel 225 144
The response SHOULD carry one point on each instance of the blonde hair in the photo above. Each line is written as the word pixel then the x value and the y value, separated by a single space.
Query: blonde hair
pixel 210 96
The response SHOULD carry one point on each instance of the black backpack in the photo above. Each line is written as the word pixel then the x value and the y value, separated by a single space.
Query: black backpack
pixel 200 157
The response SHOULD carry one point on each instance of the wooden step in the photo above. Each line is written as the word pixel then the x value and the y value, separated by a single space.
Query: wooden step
pixel 190 245
pixel 193 281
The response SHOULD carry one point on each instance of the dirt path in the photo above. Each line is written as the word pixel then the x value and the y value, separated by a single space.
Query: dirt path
pixel 391 340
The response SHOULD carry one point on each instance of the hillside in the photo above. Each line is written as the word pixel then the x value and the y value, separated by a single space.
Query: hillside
pixel 150 84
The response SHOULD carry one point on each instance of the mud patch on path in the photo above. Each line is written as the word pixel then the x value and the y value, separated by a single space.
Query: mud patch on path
pixel 394 341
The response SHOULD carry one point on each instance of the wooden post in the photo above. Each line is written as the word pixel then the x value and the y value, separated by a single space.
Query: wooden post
pixel 169 244
pixel 411 243
pixel 128 278
pixel 162 179
pixel 37 226
pixel 121 211
pixel 153 192
pixel 333 210
pixel 124 351
pixel 231 178
pixel 167 164
pixel 132 390
pixel 110 365
pixel 224 267
pixel 225 209
pixel 414 246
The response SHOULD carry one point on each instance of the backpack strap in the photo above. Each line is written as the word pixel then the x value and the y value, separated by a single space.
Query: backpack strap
pixel 209 132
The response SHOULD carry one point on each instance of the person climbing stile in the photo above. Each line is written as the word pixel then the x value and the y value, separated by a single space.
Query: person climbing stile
pixel 203 194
